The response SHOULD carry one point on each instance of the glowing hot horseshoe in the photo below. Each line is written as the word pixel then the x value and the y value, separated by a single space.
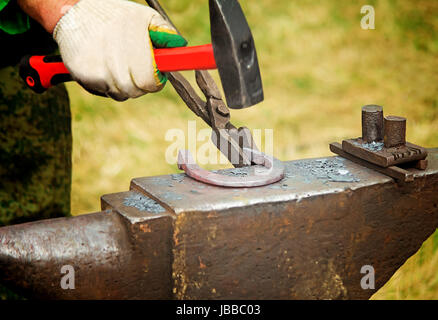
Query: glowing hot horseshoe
pixel 274 172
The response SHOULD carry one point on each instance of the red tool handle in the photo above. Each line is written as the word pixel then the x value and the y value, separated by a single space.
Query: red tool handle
pixel 185 58
pixel 41 72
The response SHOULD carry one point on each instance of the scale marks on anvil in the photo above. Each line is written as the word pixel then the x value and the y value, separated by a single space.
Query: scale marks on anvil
pixel 326 170
pixel 143 203
pixel 371 146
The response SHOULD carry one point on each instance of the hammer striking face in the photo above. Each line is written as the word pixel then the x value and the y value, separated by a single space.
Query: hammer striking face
pixel 235 54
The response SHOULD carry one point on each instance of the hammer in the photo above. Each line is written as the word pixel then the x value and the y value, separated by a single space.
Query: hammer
pixel 232 52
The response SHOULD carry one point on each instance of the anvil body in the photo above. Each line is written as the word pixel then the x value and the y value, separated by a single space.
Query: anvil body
pixel 305 237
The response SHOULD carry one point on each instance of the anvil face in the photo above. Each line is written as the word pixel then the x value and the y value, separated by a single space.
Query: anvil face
pixel 321 224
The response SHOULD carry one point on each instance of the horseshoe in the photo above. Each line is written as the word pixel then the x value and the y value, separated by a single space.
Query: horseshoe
pixel 273 171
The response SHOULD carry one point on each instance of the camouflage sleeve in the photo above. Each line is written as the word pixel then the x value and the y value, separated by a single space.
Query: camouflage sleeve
pixel 35 151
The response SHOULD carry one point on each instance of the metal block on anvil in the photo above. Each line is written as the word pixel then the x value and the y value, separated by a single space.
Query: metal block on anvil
pixel 384 157
pixel 305 237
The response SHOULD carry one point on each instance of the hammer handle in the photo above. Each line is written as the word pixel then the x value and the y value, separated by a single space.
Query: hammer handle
pixel 41 72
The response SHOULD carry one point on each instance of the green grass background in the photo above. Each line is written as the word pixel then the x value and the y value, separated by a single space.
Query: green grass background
pixel 318 68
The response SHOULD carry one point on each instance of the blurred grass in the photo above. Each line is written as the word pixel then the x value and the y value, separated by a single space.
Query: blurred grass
pixel 318 67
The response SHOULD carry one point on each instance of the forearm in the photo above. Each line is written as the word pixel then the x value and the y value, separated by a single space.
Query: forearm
pixel 46 12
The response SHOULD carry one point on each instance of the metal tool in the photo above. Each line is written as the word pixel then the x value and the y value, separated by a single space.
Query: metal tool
pixel 372 123
pixel 383 146
pixel 225 136
pixel 273 171
pixel 232 51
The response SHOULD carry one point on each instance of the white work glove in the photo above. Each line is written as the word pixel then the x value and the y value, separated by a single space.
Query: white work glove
pixel 107 46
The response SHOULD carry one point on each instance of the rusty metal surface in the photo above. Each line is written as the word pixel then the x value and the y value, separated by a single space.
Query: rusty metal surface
pixel 384 157
pixel 389 153
pixel 308 243
pixel 394 131
pixel 372 123
pixel 421 164
pixel 112 258
pixel 400 174
pixel 305 237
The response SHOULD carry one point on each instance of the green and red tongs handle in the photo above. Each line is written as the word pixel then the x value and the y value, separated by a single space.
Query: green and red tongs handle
pixel 41 72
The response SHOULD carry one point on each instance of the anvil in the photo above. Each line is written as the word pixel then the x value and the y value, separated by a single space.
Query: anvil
pixel 171 237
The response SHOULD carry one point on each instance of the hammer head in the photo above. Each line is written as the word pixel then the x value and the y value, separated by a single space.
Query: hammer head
pixel 235 54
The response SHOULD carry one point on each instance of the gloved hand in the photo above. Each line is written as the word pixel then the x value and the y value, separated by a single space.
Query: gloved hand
pixel 107 46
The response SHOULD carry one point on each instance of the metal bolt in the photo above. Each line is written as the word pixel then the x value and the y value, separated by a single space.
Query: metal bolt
pixel 395 131
pixel 372 123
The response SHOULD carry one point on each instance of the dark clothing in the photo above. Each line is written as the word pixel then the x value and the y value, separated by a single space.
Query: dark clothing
pixel 35 135
pixel 35 151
